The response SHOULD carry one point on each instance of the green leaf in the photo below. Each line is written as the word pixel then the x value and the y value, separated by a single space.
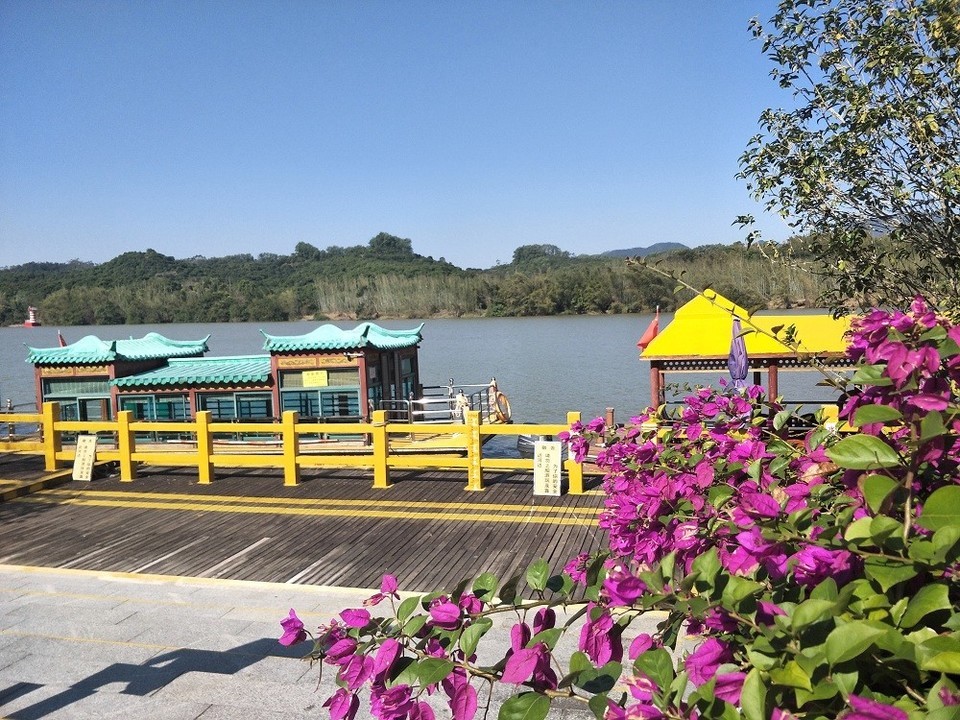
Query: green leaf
pixel 791 675
pixel 870 375
pixel 706 566
pixel 858 530
pixel 863 452
pixel 508 591
pixel 485 585
pixel 869 414
pixel 930 598
pixel 780 419
pixel 738 589
pixel 931 426
pixel 946 542
pixel 812 611
pixel 537 574
pixel 548 637
pixel 849 640
pixel 876 489
pixel 940 509
pixel 470 637
pixel 403 672
pixel 414 625
pixel 525 706
pixel 579 662
pixel 407 607
pixel 888 573
pixel 753 696
pixel 938 660
pixel 657 665
pixel 598 705
pixel 433 670
pixel 601 679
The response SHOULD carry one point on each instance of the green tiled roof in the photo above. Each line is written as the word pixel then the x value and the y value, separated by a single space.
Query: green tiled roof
pixel 91 349
pixel 330 337
pixel 203 371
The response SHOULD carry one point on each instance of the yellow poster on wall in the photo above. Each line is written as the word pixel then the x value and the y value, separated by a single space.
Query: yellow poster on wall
pixel 315 378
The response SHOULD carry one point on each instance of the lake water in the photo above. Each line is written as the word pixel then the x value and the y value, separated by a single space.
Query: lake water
pixel 547 366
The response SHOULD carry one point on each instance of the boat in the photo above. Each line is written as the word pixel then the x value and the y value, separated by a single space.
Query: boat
pixel 527 445
pixel 31 320
pixel 328 375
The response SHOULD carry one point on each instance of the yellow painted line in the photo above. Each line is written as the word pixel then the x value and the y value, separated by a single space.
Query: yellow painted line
pixel 525 519
pixel 98 641
pixel 186 580
pixel 318 502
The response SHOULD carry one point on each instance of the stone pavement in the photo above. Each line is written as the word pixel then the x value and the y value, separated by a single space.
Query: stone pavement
pixel 85 644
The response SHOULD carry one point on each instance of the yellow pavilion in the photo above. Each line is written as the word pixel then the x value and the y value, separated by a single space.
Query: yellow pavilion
pixel 698 339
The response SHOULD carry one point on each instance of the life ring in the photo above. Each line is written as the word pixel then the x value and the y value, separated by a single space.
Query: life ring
pixel 502 407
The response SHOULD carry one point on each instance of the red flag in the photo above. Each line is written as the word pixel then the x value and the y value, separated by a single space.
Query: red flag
pixel 63 343
pixel 650 333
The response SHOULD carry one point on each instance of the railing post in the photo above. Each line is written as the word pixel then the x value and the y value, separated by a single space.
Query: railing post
pixel 52 438
pixel 381 446
pixel 574 469
pixel 291 448
pixel 474 451
pixel 204 447
pixel 125 446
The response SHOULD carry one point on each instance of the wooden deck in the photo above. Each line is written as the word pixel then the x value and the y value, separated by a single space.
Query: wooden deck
pixel 332 529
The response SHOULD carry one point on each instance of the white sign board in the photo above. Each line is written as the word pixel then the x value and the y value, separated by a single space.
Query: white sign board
pixel 86 455
pixel 546 467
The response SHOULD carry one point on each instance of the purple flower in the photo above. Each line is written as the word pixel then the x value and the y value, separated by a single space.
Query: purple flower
pixel 599 639
pixel 293 631
pixel 340 651
pixel 462 696
pixel 355 618
pixel 343 705
pixel 421 711
pixel 386 656
pixel 642 687
pixel 703 662
pixel 356 670
pixel 621 587
pixel 545 619
pixel 815 564
pixel 445 614
pixel 866 709
pixel 576 568
pixel 641 643
pixel 728 687
pixel 391 703
pixel 388 588
pixel 521 663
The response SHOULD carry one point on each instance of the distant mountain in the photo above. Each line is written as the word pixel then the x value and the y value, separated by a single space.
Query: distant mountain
pixel 643 251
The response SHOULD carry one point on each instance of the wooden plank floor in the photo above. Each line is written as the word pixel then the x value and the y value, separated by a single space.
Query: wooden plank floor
pixel 332 529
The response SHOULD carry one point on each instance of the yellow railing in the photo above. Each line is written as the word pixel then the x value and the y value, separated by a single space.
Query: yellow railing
pixel 378 446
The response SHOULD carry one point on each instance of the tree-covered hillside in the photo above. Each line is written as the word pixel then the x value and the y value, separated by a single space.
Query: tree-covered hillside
pixel 384 278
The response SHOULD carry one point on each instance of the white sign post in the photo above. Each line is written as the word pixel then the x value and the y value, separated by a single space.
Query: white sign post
pixel 86 456
pixel 546 467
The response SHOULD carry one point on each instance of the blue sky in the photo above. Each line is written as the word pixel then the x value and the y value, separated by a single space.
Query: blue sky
pixel 215 128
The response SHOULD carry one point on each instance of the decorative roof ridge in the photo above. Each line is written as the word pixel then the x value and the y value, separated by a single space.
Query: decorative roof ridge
pixel 214 358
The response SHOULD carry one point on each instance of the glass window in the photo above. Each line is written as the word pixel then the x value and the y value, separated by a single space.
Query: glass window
pixel 255 406
pixel 340 404
pixel 305 402
pixel 221 406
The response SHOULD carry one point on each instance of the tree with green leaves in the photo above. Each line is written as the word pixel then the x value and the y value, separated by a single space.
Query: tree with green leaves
pixel 864 162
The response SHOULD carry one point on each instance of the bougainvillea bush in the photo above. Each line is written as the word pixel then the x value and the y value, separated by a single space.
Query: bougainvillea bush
pixel 812 577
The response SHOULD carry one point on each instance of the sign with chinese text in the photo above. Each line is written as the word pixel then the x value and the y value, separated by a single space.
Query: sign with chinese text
pixel 85 457
pixel 546 467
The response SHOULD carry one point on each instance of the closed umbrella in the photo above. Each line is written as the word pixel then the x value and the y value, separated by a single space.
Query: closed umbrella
pixel 738 363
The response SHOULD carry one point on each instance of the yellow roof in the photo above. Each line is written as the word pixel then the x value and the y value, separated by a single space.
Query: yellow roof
pixel 703 329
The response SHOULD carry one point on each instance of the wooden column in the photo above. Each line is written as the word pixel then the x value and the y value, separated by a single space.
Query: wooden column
pixel 773 384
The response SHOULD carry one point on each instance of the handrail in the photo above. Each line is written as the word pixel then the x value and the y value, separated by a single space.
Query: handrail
pixel 383 445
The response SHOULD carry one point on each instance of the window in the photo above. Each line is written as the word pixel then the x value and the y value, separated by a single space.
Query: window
pixel 255 406
pixel 221 406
